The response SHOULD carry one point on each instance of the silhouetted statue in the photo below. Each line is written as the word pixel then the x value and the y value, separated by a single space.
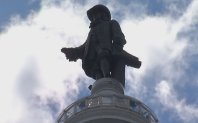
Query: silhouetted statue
pixel 102 53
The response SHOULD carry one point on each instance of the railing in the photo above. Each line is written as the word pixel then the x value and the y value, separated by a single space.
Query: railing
pixel 111 100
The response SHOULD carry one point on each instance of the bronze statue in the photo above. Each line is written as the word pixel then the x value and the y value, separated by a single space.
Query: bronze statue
pixel 102 53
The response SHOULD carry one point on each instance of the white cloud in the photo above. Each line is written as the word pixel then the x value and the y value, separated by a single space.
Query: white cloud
pixel 167 96
pixel 39 39
pixel 154 41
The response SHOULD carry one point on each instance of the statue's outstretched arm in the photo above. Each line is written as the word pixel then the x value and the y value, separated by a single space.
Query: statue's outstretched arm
pixel 73 54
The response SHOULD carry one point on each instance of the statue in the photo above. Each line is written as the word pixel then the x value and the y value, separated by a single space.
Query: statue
pixel 102 53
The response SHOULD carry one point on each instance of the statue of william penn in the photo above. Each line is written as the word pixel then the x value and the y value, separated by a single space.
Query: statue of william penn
pixel 102 53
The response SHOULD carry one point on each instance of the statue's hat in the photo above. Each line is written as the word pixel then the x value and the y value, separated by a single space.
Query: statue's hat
pixel 98 8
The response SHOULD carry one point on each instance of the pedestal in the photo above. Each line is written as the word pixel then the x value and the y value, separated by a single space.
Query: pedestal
pixel 107 104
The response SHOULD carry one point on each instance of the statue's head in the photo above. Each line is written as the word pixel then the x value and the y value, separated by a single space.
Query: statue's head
pixel 99 12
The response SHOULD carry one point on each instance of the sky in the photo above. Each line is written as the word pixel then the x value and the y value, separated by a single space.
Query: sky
pixel 37 82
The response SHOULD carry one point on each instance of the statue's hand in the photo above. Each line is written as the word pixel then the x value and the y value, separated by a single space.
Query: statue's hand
pixel 70 53
pixel 64 50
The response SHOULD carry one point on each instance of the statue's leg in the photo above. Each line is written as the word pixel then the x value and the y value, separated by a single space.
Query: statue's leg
pixel 105 67
pixel 118 71
pixel 95 71
pixel 99 75
pixel 104 64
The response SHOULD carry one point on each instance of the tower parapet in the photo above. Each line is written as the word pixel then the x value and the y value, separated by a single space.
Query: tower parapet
pixel 107 104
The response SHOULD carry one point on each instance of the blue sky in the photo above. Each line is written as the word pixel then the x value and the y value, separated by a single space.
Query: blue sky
pixel 37 82
pixel 10 8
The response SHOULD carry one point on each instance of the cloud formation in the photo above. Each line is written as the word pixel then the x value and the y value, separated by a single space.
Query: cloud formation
pixel 34 72
pixel 37 82
pixel 167 96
